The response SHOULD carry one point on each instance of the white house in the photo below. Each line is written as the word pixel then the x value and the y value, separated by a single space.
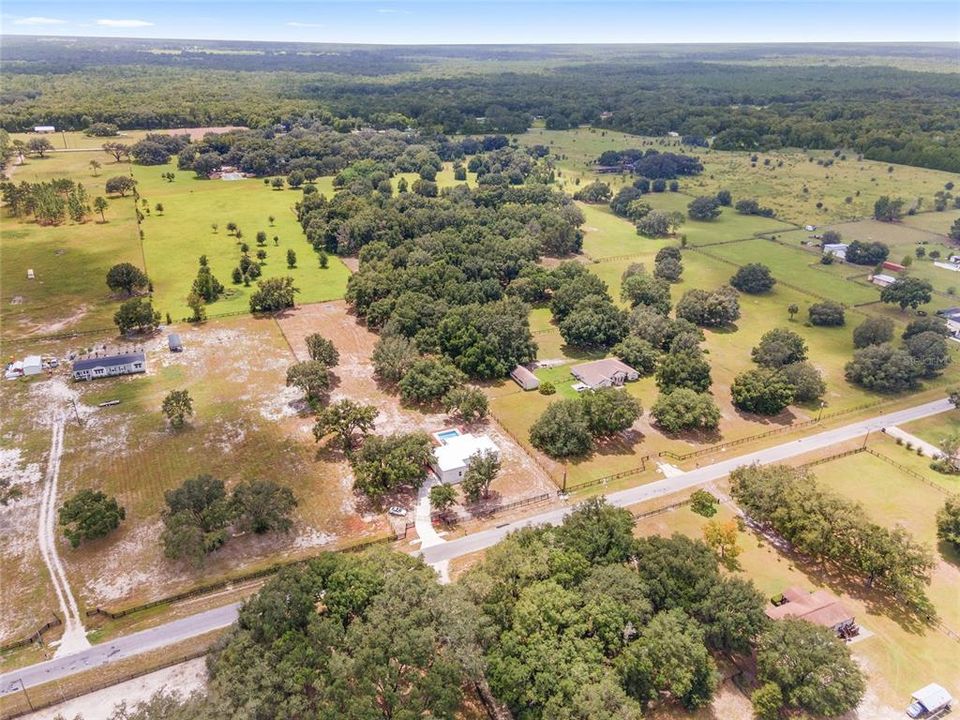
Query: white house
pixel 44 128
pixel 450 460
pixel 109 365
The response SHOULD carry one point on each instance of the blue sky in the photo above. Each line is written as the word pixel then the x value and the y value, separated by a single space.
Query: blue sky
pixel 494 21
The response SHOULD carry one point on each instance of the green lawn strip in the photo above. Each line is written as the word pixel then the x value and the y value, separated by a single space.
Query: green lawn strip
pixel 174 240
pixel 934 428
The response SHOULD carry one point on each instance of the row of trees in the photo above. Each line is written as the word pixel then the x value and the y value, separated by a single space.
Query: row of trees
pixel 879 365
pixel 827 527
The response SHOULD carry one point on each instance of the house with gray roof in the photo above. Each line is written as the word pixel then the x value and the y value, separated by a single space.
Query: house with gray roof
pixel 609 372
pixel 92 368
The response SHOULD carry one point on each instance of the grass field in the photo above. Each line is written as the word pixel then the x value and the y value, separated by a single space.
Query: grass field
pixel 175 239
pixel 897 658
pixel 69 261
pixel 793 189
pixel 829 349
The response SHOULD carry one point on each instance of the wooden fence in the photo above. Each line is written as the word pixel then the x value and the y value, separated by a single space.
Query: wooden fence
pixel 35 636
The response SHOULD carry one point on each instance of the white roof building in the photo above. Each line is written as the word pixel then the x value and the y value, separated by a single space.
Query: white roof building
pixel 44 128
pixel 882 280
pixel 933 697
pixel 453 456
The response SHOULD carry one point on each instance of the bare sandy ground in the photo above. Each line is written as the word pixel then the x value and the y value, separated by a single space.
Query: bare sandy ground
pixel 183 679
pixel 520 477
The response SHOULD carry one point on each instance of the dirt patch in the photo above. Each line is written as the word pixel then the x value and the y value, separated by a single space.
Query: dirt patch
pixel 521 477
pixel 52 328
pixel 197 133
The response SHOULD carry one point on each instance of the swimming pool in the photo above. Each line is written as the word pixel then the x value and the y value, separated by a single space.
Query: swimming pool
pixel 447 434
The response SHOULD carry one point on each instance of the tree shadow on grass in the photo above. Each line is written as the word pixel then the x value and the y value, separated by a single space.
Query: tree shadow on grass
pixel 622 443
pixel 840 581
pixel 782 419
pixel 700 436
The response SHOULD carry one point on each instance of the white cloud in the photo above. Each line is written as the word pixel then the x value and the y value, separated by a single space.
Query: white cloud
pixel 304 24
pixel 392 11
pixel 124 23
pixel 39 21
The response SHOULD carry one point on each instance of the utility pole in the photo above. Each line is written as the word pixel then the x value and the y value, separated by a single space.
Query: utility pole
pixel 820 414
pixel 24 689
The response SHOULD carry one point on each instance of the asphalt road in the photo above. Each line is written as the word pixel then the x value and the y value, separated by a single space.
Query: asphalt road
pixel 188 627
pixel 119 648
pixel 623 498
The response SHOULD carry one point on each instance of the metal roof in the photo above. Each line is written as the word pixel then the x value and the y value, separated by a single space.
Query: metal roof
pixel 108 361
pixel 457 451
pixel 932 697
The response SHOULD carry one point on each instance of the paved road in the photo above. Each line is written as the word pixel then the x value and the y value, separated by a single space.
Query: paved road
pixel 118 649
pixel 185 628
pixel 482 540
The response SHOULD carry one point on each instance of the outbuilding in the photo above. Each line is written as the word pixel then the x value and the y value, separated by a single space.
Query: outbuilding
pixel 109 365
pixel 524 378
pixel 174 343
pixel 882 280
pixel 44 128
pixel 32 365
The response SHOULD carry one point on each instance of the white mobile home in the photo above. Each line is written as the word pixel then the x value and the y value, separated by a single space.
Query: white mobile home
pixel 109 365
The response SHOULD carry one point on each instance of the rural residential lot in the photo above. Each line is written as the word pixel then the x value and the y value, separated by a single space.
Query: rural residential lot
pixel 334 304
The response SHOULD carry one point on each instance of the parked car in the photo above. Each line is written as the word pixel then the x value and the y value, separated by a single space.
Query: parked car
pixel 397 511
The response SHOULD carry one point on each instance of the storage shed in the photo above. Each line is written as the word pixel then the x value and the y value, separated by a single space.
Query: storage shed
pixel 174 343
pixel 524 378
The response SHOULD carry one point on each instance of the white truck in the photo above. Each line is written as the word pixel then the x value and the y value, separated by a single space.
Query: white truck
pixel 932 701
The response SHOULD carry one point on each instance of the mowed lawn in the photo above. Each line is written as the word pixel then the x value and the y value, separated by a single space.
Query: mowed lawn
pixel 70 261
pixel 728 351
pixel 175 239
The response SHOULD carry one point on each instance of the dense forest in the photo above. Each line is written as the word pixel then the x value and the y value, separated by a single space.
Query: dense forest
pixel 727 93
pixel 576 622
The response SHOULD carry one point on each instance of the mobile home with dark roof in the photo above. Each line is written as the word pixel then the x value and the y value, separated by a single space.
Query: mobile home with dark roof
pixel 92 368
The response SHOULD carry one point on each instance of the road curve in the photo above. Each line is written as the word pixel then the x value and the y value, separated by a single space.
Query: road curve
pixel 194 625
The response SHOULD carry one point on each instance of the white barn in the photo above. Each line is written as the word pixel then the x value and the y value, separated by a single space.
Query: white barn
pixel 109 365
pixel 450 460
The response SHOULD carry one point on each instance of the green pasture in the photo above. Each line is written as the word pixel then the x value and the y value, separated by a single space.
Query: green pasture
pixel 790 181
pixel 801 268
pixel 70 261
pixel 934 222
pixel 175 239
